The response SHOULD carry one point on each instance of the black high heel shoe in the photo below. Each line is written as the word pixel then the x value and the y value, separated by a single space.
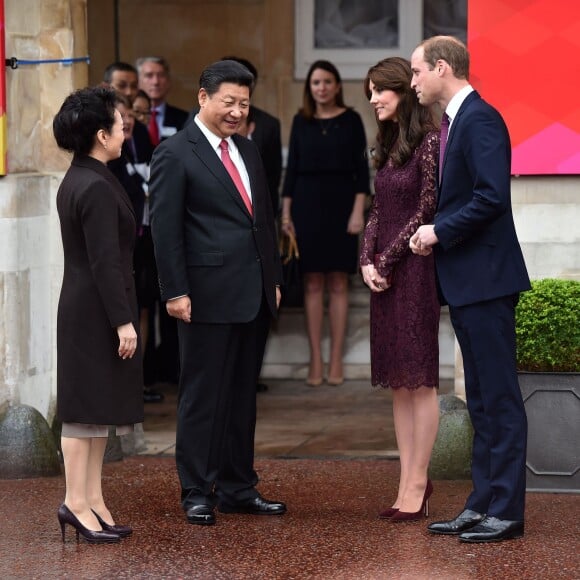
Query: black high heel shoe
pixel 121 531
pixel 65 516
pixel 423 510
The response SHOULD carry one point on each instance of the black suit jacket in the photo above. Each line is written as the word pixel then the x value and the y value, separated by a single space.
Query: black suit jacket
pixel 140 151
pixel 478 257
pixel 206 243
pixel 267 137
pixel 174 120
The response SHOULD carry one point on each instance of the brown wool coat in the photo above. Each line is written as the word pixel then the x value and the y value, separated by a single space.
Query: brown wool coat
pixel 94 385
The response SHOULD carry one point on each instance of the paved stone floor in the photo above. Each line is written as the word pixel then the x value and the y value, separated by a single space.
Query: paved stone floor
pixel 326 453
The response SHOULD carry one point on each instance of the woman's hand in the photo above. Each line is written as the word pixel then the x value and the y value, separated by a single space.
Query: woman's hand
pixel 287 226
pixel 356 223
pixel 374 280
pixel 127 340
pixel 356 220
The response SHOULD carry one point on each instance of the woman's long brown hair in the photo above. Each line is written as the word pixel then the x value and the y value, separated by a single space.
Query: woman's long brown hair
pixel 397 139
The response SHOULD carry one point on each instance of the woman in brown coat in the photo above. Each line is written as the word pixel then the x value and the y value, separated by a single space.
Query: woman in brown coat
pixel 99 376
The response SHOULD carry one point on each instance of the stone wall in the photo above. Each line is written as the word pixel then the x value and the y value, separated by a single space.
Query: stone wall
pixel 31 256
pixel 190 33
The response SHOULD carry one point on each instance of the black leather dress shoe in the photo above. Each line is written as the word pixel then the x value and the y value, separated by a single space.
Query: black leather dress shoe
pixel 201 514
pixel 257 506
pixel 464 521
pixel 493 530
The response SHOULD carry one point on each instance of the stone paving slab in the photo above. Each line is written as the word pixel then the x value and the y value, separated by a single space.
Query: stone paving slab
pixel 330 531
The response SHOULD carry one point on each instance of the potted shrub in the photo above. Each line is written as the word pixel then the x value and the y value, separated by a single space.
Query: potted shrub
pixel 548 358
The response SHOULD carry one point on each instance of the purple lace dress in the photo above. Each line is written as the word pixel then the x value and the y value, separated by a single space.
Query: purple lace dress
pixel 404 318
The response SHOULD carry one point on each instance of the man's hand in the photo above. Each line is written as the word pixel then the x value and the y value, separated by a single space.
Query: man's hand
pixel 180 308
pixel 278 296
pixel 423 240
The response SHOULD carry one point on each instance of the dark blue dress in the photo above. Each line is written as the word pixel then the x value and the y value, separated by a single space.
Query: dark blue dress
pixel 327 166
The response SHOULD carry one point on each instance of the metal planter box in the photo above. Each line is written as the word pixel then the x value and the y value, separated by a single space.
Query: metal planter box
pixel 552 402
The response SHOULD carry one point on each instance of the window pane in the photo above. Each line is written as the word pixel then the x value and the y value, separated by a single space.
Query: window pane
pixel 445 17
pixel 356 24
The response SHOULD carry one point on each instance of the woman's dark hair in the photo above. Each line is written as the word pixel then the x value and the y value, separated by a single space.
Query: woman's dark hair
pixel 308 103
pixel 397 139
pixel 121 99
pixel 81 116
pixel 225 71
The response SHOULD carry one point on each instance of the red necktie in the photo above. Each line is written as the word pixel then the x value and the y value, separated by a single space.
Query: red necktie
pixel 443 142
pixel 235 175
pixel 153 128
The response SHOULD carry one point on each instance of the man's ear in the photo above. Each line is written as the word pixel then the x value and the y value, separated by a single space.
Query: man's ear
pixel 202 97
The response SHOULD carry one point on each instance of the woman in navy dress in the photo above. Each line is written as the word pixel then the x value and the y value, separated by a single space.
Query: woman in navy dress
pixel 404 305
pixel 326 184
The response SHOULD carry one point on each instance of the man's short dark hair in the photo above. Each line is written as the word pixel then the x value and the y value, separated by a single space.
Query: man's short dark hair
pixel 81 116
pixel 248 65
pixel 225 71
pixel 122 66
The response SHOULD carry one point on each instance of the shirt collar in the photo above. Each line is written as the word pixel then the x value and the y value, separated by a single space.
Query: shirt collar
pixel 456 101
pixel 160 109
pixel 214 140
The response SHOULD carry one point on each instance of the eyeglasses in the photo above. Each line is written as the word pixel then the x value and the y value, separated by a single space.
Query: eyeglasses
pixel 139 113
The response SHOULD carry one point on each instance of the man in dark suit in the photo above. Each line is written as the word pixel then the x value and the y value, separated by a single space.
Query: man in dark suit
pixel 480 271
pixel 165 120
pixel 220 272
pixel 131 169
pixel 122 77
pixel 155 80
pixel 264 130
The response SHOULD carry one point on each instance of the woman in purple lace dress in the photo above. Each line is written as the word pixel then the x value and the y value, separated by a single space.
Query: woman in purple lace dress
pixel 404 304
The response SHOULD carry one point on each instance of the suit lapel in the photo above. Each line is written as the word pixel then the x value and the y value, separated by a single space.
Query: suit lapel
pixel 454 127
pixel 457 121
pixel 244 146
pixel 202 149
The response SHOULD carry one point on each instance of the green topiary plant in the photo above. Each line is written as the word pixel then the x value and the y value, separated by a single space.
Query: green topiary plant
pixel 548 327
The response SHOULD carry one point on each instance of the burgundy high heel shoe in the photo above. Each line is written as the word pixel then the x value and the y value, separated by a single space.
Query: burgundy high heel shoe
pixel 65 516
pixel 121 531
pixel 388 513
pixel 423 510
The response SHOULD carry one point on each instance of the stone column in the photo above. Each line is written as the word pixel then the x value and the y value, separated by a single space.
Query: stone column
pixel 31 260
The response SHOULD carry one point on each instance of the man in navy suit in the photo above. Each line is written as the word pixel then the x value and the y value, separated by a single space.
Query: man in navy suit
pixel 480 272
pixel 220 272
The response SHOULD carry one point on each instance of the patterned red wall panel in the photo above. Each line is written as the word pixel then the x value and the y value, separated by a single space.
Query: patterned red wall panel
pixel 524 60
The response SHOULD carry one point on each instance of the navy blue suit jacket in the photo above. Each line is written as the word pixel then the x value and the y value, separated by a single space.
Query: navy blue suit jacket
pixel 478 257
